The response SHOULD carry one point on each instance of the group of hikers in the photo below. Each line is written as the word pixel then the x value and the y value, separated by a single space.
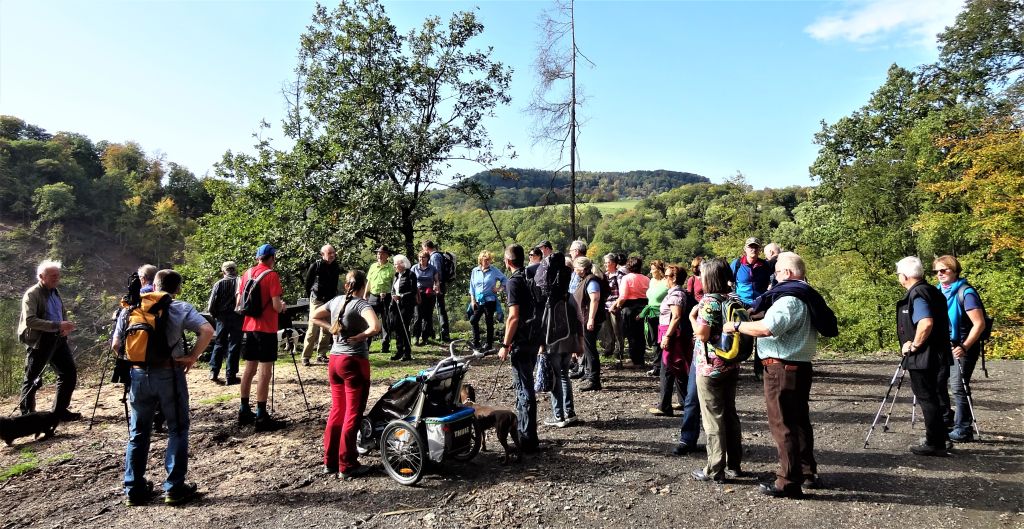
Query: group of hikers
pixel 556 308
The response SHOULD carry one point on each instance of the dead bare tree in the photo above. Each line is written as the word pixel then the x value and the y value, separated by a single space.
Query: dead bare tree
pixel 554 112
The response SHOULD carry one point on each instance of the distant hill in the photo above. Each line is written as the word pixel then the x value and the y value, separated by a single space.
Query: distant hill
pixel 517 188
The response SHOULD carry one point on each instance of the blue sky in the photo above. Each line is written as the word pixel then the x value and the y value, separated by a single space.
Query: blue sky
pixel 707 87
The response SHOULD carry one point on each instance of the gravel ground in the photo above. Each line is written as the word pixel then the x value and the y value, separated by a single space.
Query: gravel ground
pixel 613 469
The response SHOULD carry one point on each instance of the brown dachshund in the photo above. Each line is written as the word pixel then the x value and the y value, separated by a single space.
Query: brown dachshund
pixel 503 421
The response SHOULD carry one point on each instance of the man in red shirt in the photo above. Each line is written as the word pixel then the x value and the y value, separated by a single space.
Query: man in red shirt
pixel 259 342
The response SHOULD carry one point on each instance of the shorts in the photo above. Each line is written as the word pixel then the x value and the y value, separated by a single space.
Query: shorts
pixel 259 346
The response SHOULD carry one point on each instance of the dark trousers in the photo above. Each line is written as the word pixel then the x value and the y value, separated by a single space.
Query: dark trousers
pixel 52 350
pixel 487 309
pixel 524 360
pixel 942 390
pixel 668 383
pixel 381 304
pixel 401 318
pixel 591 356
pixel 787 392
pixel 651 335
pixel 634 330
pixel 227 346
pixel 689 427
pixel 925 383
pixel 959 384
pixel 442 317
pixel 423 328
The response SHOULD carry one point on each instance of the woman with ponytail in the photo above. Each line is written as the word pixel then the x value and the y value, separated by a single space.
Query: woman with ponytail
pixel 352 322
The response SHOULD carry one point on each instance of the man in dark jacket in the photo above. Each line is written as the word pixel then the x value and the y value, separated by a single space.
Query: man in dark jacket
pixel 44 328
pixel 321 287
pixel 922 326
pixel 228 344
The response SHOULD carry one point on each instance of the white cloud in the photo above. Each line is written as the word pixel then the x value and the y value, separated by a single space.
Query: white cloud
pixel 876 21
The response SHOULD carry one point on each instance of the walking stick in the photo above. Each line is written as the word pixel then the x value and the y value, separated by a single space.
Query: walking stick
pixel 296 364
pixel 897 380
pixel 99 387
pixel 273 375
pixel 970 401
pixel 405 329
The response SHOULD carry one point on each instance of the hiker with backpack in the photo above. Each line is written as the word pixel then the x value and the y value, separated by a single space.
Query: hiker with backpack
pixel 613 328
pixel 444 263
pixel 968 327
pixel 352 322
pixel 428 281
pixel 591 294
pixel 716 380
pixel 321 286
pixel 751 277
pixel 151 337
pixel 228 343
pixel 485 281
pixel 259 299
pixel 674 342
pixel 44 328
pixel 787 338
pixel 519 346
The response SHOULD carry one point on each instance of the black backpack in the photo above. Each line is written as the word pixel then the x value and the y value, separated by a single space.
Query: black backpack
pixel 252 303
pixel 447 270
pixel 960 294
pixel 606 291
pixel 552 278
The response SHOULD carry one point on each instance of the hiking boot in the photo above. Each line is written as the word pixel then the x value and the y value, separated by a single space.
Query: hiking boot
pixel 576 374
pixel 323 359
pixel 654 373
pixel 246 417
pixel 590 385
pixel 139 495
pixel 699 475
pixel 214 377
pixel 181 494
pixel 961 436
pixel 266 423
pixel 329 470
pixel 232 381
pixel 67 415
pixel 769 489
pixel 813 482
pixel 306 363
pixel 683 449
pixel 677 407
pixel 927 450
pixel 397 356
pixel 924 440
pixel 735 474
pixel 658 412
pixel 356 472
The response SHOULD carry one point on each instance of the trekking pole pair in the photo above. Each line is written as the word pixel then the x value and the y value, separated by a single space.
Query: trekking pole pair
pixel 290 346
pixel 897 382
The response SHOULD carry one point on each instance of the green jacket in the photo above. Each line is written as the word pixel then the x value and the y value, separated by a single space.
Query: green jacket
pixel 33 322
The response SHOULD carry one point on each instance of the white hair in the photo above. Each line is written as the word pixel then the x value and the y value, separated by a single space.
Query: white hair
pixel 792 262
pixel 580 245
pixel 910 267
pixel 47 265
pixel 402 259
pixel 772 248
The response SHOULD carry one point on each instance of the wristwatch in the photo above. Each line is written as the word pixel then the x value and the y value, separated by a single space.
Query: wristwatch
pixel 736 326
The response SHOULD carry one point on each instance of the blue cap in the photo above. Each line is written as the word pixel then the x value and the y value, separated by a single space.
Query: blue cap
pixel 265 250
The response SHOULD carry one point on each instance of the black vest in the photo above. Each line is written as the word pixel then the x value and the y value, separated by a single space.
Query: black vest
pixel 936 351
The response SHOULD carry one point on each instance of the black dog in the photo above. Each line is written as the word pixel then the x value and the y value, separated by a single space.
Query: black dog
pixel 42 423
pixel 503 421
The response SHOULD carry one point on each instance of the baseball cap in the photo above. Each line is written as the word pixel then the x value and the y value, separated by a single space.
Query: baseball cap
pixel 753 241
pixel 545 244
pixel 384 248
pixel 265 250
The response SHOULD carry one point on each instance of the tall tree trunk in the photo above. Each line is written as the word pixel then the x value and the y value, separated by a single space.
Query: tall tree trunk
pixel 572 127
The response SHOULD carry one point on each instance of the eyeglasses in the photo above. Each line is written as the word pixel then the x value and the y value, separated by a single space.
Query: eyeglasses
pixel 942 271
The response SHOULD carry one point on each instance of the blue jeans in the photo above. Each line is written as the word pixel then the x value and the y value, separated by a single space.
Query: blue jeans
pixel 524 360
pixel 152 389
pixel 227 347
pixel 690 423
pixel 957 387
pixel 561 391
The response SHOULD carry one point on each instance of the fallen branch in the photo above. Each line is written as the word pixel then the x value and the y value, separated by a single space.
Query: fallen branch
pixel 405 511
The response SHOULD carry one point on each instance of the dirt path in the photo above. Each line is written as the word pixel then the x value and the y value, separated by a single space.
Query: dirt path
pixel 611 470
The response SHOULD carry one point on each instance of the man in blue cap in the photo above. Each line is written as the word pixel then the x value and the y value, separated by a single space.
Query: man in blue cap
pixel 259 342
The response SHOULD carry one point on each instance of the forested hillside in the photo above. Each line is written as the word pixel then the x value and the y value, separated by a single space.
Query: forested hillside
pixel 518 188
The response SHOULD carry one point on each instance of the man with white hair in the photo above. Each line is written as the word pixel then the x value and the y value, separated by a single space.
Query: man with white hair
pixel 771 254
pixel 44 328
pixel 223 307
pixel 147 274
pixel 787 339
pixel 922 326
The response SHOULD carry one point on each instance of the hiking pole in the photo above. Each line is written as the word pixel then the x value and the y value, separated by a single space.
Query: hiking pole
pixel 273 375
pixel 401 320
pixel 895 397
pixel 99 387
pixel 970 401
pixel 913 412
pixel 297 375
pixel 897 380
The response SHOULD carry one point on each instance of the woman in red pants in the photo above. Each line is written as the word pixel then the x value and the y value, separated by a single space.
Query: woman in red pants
pixel 352 322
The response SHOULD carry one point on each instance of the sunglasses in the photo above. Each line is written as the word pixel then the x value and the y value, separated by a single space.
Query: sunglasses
pixel 942 271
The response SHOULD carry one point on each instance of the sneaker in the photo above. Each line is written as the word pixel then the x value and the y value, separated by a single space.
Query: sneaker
pixel 590 385
pixel 246 417
pixel 140 495
pixel 576 374
pixel 214 377
pixel 323 359
pixel 569 421
pixel 329 470
pixel 927 450
pixel 356 472
pixel 658 412
pixel 813 482
pixel 769 489
pixel 653 373
pixel 699 475
pixel 554 421
pixel 735 474
pixel 181 494
pixel 961 436
pixel 924 440
pixel 677 407
pixel 266 423
pixel 232 381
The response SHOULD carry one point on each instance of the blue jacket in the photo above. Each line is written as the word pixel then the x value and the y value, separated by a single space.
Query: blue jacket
pixel 751 280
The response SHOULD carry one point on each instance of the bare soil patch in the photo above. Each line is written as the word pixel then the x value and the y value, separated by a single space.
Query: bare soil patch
pixel 611 470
